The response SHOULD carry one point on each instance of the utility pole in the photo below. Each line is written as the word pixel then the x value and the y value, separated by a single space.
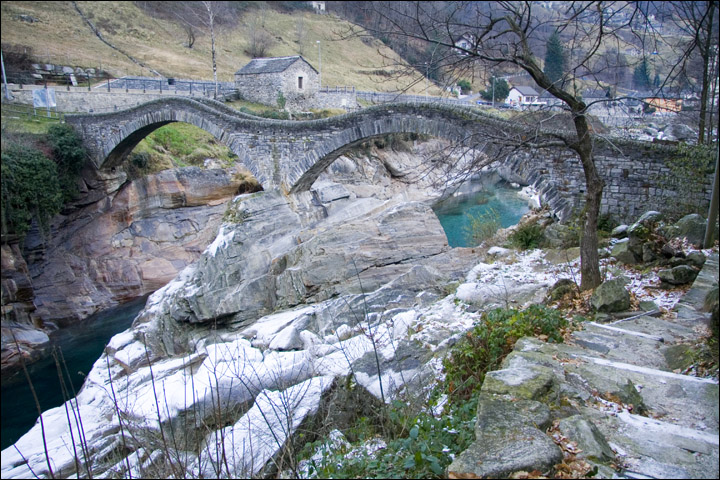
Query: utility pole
pixel 320 62
pixel 493 89
pixel 2 61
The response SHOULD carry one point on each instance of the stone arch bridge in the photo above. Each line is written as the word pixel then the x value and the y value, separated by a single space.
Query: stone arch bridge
pixel 290 155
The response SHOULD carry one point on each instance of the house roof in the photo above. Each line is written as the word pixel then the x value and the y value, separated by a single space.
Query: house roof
pixel 526 90
pixel 270 65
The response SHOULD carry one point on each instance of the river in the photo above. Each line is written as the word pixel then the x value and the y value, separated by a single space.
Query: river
pixel 81 346
pixel 456 213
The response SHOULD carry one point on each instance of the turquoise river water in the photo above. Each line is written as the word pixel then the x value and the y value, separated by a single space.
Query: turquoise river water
pixel 455 213
pixel 81 346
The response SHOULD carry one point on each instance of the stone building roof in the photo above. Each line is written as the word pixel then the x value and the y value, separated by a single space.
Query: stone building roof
pixel 270 65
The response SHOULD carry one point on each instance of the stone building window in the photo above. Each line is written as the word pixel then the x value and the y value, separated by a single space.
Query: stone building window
pixel 300 82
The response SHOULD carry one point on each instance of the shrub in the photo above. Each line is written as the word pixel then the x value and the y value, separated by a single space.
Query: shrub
pixel 421 445
pixel 30 188
pixel 481 226
pixel 70 156
pixel 490 340
pixel 527 236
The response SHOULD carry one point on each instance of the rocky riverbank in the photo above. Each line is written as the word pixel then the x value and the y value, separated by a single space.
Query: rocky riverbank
pixel 122 240
pixel 259 337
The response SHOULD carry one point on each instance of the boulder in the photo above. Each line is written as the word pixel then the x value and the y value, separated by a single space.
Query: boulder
pixel 287 339
pixel 696 259
pixel 650 218
pixel 679 275
pixel 623 253
pixel 621 231
pixel 681 132
pixel 329 192
pixel 560 288
pixel 591 442
pixel 507 441
pixel 611 296
pixel 692 227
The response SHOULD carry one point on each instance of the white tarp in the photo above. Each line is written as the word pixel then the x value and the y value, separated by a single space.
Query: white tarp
pixel 44 98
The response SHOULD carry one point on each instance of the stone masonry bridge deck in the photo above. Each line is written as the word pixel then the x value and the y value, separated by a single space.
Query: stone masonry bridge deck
pixel 291 154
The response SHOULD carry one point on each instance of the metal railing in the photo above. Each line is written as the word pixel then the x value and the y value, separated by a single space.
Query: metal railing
pixel 376 97
pixel 170 85
pixel 20 111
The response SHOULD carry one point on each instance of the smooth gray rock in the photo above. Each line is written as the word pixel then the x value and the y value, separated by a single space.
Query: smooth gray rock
pixel 506 442
pixel 692 227
pixel 593 444
pixel 679 275
pixel 287 339
pixel 329 192
pixel 611 296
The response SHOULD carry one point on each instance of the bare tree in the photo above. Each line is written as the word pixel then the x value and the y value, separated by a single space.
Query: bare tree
pixel 300 34
pixel 259 40
pixel 698 21
pixel 204 16
pixel 508 34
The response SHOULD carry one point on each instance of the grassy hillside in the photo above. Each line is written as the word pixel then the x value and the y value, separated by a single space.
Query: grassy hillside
pixel 60 36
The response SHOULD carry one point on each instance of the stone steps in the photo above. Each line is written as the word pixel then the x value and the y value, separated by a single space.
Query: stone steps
pixel 614 392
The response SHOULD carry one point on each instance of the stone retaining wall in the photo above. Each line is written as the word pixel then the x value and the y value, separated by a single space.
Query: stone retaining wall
pixel 79 99
pixel 631 180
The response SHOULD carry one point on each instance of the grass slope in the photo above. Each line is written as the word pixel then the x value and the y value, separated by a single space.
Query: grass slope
pixel 60 36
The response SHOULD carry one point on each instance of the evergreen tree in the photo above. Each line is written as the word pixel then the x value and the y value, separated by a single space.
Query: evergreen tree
pixel 641 76
pixel 554 59
pixel 502 90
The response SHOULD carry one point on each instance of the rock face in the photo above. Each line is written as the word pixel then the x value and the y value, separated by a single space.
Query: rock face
pixel 290 295
pixel 130 243
pixel 20 323
pixel 121 241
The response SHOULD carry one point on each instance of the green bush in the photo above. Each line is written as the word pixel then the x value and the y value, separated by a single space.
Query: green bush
pixel 30 188
pixel 70 157
pixel 422 446
pixel 527 236
pixel 490 340
pixel 465 86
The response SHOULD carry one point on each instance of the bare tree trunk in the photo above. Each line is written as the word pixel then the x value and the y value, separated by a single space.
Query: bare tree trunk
pixel 589 258
pixel 211 24
pixel 706 79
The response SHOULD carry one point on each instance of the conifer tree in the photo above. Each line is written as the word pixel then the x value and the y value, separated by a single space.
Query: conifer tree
pixel 641 75
pixel 554 59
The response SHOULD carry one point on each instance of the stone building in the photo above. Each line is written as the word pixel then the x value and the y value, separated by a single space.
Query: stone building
pixel 266 80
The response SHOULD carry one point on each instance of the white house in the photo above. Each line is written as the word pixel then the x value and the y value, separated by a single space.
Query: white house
pixel 319 7
pixel 465 43
pixel 523 96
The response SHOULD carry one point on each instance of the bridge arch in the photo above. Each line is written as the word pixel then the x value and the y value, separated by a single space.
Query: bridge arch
pixel 110 137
